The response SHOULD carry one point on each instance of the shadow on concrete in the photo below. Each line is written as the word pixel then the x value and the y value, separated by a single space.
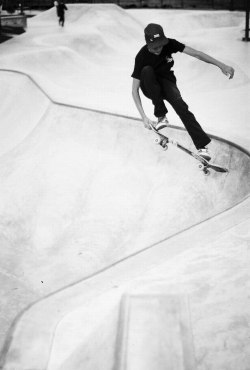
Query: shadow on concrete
pixel 5 37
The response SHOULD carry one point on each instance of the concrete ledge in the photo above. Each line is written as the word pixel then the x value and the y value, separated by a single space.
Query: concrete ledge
pixel 14 22
pixel 155 333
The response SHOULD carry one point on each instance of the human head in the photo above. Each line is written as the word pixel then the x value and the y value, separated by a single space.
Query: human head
pixel 154 36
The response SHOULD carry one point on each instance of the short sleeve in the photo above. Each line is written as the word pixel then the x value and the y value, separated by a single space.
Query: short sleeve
pixel 177 46
pixel 137 68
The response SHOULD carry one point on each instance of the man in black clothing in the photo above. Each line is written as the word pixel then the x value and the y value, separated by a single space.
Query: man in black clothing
pixel 153 75
pixel 61 7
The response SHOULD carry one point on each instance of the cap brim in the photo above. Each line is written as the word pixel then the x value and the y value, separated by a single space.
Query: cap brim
pixel 157 43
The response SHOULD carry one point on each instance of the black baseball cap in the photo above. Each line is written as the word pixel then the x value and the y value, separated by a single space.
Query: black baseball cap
pixel 154 35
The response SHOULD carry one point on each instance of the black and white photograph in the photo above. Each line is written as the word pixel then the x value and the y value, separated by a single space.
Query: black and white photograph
pixel 124 185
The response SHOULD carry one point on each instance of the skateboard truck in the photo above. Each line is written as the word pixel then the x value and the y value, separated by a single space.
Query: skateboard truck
pixel 162 142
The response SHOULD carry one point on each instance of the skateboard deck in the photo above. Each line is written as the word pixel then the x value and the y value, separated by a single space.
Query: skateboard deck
pixel 204 165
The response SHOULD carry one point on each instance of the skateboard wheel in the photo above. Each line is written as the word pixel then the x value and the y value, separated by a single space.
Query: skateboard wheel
pixel 207 173
pixel 157 141
pixel 164 143
pixel 201 166
pixel 165 147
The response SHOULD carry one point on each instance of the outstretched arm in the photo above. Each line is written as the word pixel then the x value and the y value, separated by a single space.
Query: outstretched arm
pixel 227 70
pixel 137 100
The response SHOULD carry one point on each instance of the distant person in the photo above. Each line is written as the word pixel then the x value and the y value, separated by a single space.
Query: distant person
pixel 153 75
pixel 61 7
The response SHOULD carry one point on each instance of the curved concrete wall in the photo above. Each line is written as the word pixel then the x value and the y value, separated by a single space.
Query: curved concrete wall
pixel 22 106
pixel 94 189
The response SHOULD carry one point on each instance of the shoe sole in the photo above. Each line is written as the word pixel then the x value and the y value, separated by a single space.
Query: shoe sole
pixel 159 127
pixel 204 157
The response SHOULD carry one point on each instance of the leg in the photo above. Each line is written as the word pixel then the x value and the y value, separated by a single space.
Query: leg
pixel 173 96
pixel 152 89
pixel 61 20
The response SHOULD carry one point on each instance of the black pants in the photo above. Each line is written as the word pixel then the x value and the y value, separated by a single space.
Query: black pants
pixel 158 89
pixel 61 19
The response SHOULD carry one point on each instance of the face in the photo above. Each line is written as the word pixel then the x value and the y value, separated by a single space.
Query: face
pixel 155 49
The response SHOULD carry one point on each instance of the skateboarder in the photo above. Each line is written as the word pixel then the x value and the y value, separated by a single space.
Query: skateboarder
pixel 61 7
pixel 154 76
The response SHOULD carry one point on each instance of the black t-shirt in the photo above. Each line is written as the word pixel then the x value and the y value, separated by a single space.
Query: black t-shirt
pixel 61 9
pixel 161 63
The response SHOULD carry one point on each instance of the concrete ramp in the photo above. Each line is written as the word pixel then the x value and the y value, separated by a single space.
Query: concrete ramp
pixel 22 106
pixel 96 189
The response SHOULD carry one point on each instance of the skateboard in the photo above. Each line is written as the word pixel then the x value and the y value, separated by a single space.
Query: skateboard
pixel 204 165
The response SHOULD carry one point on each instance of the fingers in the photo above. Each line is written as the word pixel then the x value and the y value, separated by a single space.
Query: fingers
pixel 147 123
pixel 147 126
pixel 229 72
pixel 232 73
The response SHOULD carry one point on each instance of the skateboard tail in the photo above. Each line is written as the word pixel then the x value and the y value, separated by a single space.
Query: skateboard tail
pixel 218 169
pixel 209 164
pixel 205 165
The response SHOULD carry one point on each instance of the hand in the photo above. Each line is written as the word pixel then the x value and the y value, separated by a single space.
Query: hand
pixel 228 71
pixel 147 122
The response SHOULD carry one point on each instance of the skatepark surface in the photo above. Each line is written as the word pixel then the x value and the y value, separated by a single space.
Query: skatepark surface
pixel 91 208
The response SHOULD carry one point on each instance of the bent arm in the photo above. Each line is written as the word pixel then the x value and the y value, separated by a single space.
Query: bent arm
pixel 227 70
pixel 136 97
pixel 138 103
